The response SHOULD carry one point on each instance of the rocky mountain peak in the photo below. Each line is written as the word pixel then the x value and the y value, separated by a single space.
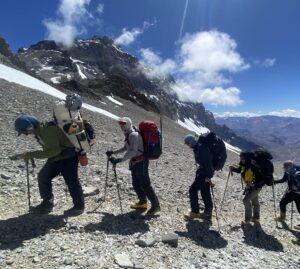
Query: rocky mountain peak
pixel 4 48
pixel 99 67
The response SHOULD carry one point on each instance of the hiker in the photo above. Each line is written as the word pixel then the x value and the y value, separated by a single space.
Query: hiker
pixel 292 193
pixel 202 182
pixel 138 165
pixel 61 158
pixel 251 200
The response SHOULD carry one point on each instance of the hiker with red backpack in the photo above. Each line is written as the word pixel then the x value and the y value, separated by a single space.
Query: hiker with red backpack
pixel 292 194
pixel 134 148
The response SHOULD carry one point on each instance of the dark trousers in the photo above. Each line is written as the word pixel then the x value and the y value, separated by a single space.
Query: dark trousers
pixel 141 182
pixel 288 198
pixel 204 187
pixel 69 170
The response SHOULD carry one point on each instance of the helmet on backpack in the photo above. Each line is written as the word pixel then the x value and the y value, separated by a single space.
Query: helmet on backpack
pixel 73 102
pixel 190 140
pixel 24 123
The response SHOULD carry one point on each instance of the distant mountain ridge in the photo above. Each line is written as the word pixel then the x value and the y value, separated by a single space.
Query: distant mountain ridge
pixel 97 67
pixel 280 135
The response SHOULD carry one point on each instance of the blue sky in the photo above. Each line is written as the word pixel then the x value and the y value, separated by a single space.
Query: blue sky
pixel 233 55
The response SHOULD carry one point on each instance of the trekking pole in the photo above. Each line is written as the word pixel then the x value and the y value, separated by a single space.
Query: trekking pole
pixel 273 188
pixel 225 190
pixel 106 179
pixel 292 211
pixel 116 178
pixel 28 185
pixel 214 200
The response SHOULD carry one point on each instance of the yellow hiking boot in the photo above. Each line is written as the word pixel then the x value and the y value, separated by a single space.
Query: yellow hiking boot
pixel 255 221
pixel 191 215
pixel 139 205
pixel 245 222
pixel 297 227
pixel 281 218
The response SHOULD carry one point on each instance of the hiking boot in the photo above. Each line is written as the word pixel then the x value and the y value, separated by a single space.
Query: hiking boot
pixel 139 205
pixel 152 211
pixel 255 221
pixel 297 227
pixel 245 222
pixel 44 207
pixel 205 216
pixel 281 218
pixel 74 211
pixel 192 215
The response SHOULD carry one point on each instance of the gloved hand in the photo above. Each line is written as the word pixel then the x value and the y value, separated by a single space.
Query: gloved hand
pixel 114 160
pixel 109 153
pixel 208 180
pixel 16 157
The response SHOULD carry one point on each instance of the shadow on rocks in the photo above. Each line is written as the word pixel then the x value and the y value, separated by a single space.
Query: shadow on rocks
pixel 255 236
pixel 125 224
pixel 14 231
pixel 295 233
pixel 203 236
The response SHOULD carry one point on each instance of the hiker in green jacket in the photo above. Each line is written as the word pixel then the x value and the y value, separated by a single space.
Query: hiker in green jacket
pixel 61 158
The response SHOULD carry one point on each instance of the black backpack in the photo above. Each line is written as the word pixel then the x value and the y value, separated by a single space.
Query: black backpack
pixel 217 148
pixel 263 168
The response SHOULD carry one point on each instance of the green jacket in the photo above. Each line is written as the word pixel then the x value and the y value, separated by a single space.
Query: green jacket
pixel 55 143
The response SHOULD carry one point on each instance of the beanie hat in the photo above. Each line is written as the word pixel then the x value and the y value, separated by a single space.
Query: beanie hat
pixel 190 140
pixel 25 122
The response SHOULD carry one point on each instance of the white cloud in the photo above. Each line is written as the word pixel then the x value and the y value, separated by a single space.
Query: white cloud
pixel 158 66
pixel 269 62
pixel 210 52
pixel 129 36
pixel 72 15
pixel 200 66
pixel 214 96
pixel 281 113
pixel 237 114
pixel 286 113
pixel 100 8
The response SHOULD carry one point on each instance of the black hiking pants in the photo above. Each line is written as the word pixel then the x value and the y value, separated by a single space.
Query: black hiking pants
pixel 204 187
pixel 141 182
pixel 289 197
pixel 69 170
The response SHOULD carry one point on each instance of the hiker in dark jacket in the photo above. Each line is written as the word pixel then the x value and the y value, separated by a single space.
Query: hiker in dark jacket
pixel 139 166
pixel 251 200
pixel 292 194
pixel 61 158
pixel 202 180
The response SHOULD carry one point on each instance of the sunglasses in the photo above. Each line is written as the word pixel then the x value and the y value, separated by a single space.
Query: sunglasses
pixel 122 123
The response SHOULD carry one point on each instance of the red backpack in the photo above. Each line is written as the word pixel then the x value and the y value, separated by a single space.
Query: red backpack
pixel 151 138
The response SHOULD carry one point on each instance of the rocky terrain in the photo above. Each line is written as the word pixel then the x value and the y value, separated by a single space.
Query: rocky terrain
pixel 107 239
